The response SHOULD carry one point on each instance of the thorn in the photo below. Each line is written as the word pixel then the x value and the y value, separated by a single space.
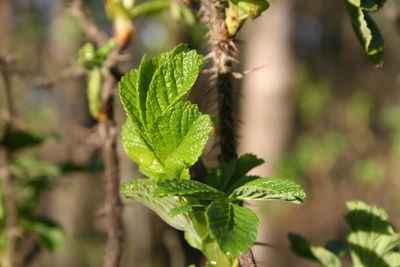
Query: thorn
pixel 209 56
pixel 233 59
pixel 238 75
pixel 233 46
pixel 249 71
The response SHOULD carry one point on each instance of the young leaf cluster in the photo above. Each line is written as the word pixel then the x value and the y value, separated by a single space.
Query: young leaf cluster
pixel 92 60
pixel 371 239
pixel 365 27
pixel 239 11
pixel 165 134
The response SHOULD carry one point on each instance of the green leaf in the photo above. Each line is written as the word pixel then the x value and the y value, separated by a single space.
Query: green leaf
pixel 233 227
pixel 18 139
pixel 367 5
pixel 164 133
pixel 185 208
pixel 94 86
pixel 171 83
pixel 253 8
pixel 368 33
pixel 143 191
pixel 187 188
pixel 138 148
pixel 227 177
pixel 149 8
pixel 50 234
pixel 303 248
pixel 32 168
pixel 372 240
pixel 270 189
pixel 175 143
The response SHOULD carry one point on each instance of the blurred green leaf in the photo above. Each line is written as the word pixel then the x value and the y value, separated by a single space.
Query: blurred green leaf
pixel 319 254
pixel 149 8
pixel 50 234
pixel 18 139
pixel 372 239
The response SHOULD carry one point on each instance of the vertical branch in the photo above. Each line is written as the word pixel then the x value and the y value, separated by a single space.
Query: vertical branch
pixel 108 134
pixel 5 172
pixel 222 53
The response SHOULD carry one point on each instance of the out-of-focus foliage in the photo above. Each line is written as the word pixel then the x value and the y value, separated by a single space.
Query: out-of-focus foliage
pixel 371 239
pixel 333 128
pixel 32 177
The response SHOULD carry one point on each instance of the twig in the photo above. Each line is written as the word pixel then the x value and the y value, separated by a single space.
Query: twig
pixel 108 134
pixel 5 172
pixel 91 30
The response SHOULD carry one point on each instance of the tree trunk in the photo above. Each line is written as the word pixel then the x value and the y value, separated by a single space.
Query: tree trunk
pixel 266 112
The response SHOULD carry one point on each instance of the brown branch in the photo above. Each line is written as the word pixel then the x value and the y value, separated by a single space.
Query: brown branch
pixel 108 134
pixel 5 172
pixel 91 29
pixel 223 53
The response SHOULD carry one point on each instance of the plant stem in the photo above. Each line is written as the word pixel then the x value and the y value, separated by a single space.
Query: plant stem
pixel 223 53
pixel 5 172
pixel 108 133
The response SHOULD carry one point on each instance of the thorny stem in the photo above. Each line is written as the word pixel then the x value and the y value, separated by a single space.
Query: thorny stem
pixel 108 133
pixel 5 172
pixel 223 53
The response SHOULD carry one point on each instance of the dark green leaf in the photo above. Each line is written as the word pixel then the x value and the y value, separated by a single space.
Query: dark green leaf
pixel 233 227
pixel 368 33
pixel 50 234
pixel 367 5
pixel 303 248
pixel 19 139
pixel 229 176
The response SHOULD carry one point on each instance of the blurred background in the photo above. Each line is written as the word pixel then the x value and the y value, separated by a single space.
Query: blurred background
pixel 317 111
